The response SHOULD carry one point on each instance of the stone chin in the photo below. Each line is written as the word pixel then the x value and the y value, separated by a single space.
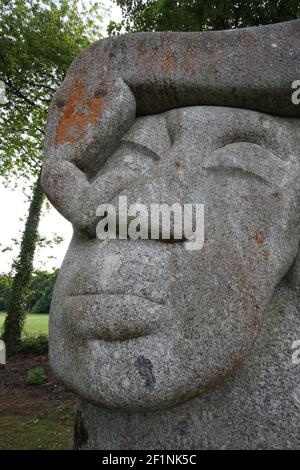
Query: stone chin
pixel 153 372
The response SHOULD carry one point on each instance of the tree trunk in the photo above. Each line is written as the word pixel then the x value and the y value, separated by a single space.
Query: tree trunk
pixel 16 311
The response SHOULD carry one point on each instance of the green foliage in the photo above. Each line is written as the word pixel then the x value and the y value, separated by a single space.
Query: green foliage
pixel 16 309
pixel 42 241
pixel 5 289
pixel 40 292
pixel 33 345
pixel 35 323
pixel 38 41
pixel 199 15
pixel 36 376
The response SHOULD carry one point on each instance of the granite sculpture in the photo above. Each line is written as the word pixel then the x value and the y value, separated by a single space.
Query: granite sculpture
pixel 166 348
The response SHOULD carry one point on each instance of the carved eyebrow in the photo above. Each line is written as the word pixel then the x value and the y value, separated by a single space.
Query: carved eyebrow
pixel 251 159
pixel 248 141
pixel 142 149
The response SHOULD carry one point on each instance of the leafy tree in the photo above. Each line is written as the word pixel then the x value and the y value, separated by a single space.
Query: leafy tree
pixel 5 288
pixel 38 41
pixel 16 311
pixel 199 15
pixel 40 292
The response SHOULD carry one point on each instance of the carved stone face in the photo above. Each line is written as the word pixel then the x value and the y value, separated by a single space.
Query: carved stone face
pixel 148 324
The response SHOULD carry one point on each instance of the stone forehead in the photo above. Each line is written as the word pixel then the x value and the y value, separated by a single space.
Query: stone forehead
pixel 208 124
pixel 249 68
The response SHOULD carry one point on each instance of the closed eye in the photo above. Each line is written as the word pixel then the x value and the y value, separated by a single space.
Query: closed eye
pixel 232 170
pixel 128 162
pixel 248 159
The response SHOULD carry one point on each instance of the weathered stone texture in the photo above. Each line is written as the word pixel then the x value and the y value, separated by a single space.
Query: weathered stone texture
pixel 169 348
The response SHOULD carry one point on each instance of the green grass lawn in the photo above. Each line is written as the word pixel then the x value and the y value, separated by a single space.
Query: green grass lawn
pixel 35 323
pixel 50 429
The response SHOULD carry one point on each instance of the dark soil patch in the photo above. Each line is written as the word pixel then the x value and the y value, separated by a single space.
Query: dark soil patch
pixel 20 399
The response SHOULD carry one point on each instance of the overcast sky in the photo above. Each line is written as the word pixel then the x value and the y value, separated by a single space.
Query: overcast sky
pixel 14 207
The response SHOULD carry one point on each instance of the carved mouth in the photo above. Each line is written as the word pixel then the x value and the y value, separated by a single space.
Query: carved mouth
pixel 118 293
pixel 117 339
pixel 112 317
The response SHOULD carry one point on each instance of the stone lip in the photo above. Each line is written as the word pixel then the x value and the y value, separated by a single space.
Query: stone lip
pixel 112 317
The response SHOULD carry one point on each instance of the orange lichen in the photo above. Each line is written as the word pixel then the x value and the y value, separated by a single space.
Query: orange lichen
pixel 259 238
pixel 169 61
pixel 237 362
pixel 77 113
pixel 253 322
pixel 266 254
pixel 190 61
